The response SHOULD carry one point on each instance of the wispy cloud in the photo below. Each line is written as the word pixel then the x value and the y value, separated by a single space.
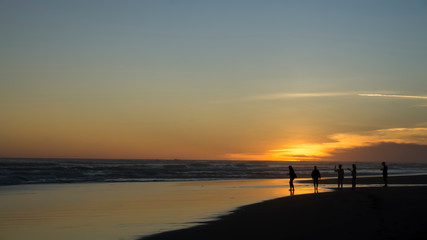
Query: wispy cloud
pixel 279 96
pixel 391 95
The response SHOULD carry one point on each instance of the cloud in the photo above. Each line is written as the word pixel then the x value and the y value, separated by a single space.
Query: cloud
pixel 346 142
pixel 391 95
pixel 386 151
pixel 342 142
pixel 397 135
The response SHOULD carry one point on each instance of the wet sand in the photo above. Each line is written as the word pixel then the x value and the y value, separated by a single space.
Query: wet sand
pixel 364 213
pixel 125 211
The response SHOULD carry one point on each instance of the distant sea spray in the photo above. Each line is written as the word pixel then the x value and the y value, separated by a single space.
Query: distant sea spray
pixel 39 171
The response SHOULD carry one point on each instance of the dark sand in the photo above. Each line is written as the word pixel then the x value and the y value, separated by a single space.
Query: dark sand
pixel 364 213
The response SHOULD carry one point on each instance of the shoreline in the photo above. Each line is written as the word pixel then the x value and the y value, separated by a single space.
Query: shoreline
pixel 416 178
pixel 364 213
pixel 392 179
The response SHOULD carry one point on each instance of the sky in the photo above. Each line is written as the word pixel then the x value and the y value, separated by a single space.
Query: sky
pixel 224 79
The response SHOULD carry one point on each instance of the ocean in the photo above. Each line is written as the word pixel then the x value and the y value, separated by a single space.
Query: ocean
pixel 39 171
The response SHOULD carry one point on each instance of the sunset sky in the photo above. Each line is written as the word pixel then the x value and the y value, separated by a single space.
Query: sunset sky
pixel 223 79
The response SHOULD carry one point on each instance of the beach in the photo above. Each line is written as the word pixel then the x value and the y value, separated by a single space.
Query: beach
pixel 182 120
pixel 395 212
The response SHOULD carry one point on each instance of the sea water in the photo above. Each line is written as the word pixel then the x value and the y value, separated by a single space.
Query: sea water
pixel 36 171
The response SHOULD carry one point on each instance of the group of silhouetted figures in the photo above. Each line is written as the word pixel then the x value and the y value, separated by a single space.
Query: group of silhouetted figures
pixel 315 175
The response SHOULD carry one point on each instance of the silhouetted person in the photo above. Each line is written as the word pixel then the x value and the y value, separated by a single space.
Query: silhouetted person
pixel 353 176
pixel 315 174
pixel 340 172
pixel 292 176
pixel 385 173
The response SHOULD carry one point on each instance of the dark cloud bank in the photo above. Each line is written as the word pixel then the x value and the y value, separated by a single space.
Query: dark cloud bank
pixel 385 151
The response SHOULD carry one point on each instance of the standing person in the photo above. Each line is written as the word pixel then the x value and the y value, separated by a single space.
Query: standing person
pixel 292 176
pixel 340 172
pixel 353 176
pixel 315 174
pixel 385 173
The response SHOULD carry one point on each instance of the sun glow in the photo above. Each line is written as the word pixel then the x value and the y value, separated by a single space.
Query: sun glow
pixel 290 153
pixel 302 150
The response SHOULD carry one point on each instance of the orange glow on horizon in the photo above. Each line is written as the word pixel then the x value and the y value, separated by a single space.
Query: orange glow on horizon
pixel 124 145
